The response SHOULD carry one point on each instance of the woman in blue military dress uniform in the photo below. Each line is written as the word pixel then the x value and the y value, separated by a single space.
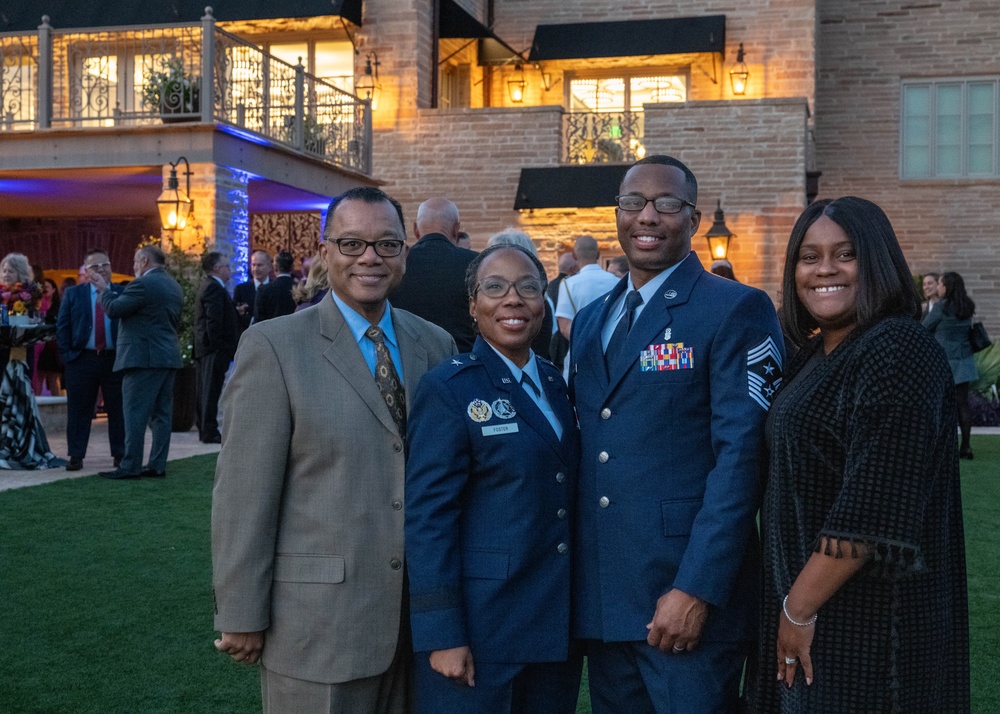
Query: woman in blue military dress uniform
pixel 490 487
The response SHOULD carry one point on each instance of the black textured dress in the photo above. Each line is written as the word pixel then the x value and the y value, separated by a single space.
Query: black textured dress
pixel 863 450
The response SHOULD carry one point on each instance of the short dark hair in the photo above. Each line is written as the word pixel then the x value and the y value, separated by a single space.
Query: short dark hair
pixel 936 276
pixel 956 300
pixel 210 260
pixel 472 273
pixel 94 251
pixel 154 254
pixel 885 284
pixel 284 261
pixel 662 160
pixel 365 194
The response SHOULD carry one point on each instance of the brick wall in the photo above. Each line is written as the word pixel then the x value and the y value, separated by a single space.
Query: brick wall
pixel 865 50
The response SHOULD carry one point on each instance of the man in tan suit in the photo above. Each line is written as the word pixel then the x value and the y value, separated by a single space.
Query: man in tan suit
pixel 307 510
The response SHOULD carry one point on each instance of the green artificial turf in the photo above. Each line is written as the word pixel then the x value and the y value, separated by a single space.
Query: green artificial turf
pixel 106 604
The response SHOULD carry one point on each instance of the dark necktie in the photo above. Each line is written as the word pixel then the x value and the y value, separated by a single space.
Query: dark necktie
pixel 527 381
pixel 618 337
pixel 100 336
pixel 387 380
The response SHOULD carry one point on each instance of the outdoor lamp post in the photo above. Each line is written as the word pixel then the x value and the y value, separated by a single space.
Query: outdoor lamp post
pixel 516 84
pixel 739 74
pixel 368 86
pixel 173 204
pixel 719 235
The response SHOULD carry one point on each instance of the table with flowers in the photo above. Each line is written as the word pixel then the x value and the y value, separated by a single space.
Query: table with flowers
pixel 23 444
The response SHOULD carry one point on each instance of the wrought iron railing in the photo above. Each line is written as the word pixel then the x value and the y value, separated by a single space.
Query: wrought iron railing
pixel 171 73
pixel 602 137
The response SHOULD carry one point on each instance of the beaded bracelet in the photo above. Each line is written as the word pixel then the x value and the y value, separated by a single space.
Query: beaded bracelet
pixel 809 623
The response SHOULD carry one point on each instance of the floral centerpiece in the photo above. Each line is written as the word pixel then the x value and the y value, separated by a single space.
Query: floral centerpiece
pixel 21 299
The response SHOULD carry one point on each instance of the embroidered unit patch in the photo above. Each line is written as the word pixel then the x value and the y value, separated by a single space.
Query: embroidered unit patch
pixel 764 372
pixel 666 357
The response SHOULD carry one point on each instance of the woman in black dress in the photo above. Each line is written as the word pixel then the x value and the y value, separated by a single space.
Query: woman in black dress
pixel 864 605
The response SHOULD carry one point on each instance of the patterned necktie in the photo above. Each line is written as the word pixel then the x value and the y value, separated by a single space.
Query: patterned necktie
pixel 100 337
pixel 387 380
pixel 618 337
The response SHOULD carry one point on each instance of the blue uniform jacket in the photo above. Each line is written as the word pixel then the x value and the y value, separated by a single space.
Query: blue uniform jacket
pixel 489 503
pixel 671 463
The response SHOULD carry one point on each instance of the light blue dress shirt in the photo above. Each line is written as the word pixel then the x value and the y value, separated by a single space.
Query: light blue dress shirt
pixel 618 309
pixel 359 325
pixel 540 400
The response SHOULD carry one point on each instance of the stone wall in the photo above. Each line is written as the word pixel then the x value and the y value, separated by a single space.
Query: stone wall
pixel 865 50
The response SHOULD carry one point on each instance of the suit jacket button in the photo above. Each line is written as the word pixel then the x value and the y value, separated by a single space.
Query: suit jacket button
pixel 605 413
pixel 560 477
pixel 395 564
pixel 396 505
pixel 603 457
pixel 562 548
pixel 397 447
pixel 604 502
pixel 561 514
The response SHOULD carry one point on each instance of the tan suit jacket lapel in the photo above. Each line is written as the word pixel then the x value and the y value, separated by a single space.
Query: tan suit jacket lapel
pixel 345 356
pixel 413 352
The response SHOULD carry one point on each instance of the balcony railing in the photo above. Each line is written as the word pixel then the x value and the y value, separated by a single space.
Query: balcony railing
pixel 173 73
pixel 602 137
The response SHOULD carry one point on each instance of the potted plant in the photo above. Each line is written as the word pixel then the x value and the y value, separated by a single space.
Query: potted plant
pixel 313 134
pixel 171 91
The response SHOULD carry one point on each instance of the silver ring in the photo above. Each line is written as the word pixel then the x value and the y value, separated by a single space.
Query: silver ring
pixel 791 660
pixel 677 649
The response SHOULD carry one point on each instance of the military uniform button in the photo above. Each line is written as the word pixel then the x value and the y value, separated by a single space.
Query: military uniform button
pixel 397 505
pixel 561 514
pixel 562 547
pixel 605 413
pixel 603 457
pixel 560 477
pixel 604 502
pixel 395 564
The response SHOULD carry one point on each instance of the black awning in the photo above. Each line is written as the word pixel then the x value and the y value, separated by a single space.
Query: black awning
pixel 629 38
pixel 26 15
pixel 587 186
pixel 455 22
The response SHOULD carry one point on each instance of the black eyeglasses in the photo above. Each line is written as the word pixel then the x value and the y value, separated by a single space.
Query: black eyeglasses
pixel 527 288
pixel 385 248
pixel 662 204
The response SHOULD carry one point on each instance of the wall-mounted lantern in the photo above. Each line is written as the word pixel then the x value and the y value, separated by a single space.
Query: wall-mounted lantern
pixel 739 74
pixel 368 87
pixel 719 235
pixel 174 205
pixel 516 84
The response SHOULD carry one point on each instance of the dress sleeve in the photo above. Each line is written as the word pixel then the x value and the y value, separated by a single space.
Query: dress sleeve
pixel 896 422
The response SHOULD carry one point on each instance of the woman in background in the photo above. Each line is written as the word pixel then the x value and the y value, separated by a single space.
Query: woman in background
pixel 864 606
pixel 311 290
pixel 949 320
pixel 48 364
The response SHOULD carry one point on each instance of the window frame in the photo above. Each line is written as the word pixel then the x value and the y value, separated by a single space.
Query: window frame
pixel 626 74
pixel 933 85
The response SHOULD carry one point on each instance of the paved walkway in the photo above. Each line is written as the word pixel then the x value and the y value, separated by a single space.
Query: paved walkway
pixel 182 445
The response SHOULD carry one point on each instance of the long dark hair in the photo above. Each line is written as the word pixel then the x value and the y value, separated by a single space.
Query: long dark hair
pixel 957 302
pixel 885 284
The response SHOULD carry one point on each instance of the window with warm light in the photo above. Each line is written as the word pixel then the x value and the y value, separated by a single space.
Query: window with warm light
pixel 950 128
pixel 624 93
pixel 330 60
pixel 18 81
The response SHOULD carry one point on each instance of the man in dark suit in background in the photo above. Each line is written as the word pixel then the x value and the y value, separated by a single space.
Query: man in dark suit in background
pixel 434 284
pixel 148 355
pixel 245 294
pixel 86 337
pixel 216 334
pixel 275 298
